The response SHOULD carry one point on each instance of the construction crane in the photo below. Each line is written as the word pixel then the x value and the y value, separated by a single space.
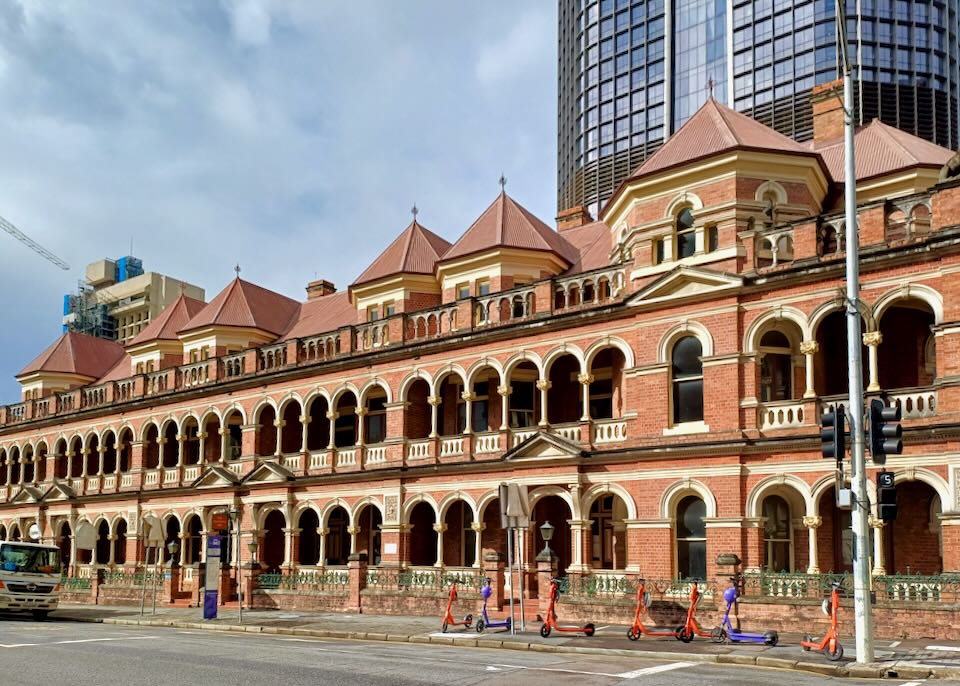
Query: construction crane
pixel 32 244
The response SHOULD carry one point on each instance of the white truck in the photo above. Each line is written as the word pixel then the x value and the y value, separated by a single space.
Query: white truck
pixel 29 578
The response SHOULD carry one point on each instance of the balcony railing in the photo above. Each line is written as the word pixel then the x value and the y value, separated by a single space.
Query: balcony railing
pixel 781 415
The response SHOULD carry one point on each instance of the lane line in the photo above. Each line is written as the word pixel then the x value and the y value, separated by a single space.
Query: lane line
pixel 656 670
pixel 949 649
pixel 913 683
pixel 895 644
pixel 80 640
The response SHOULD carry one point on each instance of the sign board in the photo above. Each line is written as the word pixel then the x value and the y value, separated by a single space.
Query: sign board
pixel 211 579
pixel 152 532
pixel 514 506
pixel 34 532
pixel 86 536
pixel 219 521
pixel 390 548
pixel 885 480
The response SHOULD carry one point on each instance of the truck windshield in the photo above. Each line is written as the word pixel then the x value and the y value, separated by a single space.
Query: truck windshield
pixel 24 558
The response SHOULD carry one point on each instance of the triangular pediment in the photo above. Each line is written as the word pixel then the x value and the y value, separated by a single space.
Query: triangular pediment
pixel 58 491
pixel 216 477
pixel 544 446
pixel 268 472
pixel 26 494
pixel 685 282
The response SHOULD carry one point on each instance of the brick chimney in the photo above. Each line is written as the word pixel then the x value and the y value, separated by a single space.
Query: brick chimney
pixel 319 288
pixel 573 217
pixel 827 101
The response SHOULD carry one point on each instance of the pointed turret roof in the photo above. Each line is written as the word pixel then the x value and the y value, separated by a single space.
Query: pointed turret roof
pixel 881 149
pixel 507 224
pixel 243 304
pixel 415 251
pixel 173 318
pixel 712 129
pixel 77 353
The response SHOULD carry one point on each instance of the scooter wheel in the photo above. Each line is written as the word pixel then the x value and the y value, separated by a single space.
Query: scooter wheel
pixel 444 628
pixel 718 635
pixel 771 638
pixel 480 626
pixel 589 629
pixel 467 621
pixel 807 638
pixel 836 655
pixel 678 631
pixel 545 630
pixel 685 635
pixel 633 634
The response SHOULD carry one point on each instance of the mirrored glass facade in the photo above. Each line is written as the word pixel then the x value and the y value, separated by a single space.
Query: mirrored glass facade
pixel 633 71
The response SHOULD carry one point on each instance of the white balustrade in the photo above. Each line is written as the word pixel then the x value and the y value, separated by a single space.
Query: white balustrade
pixel 152 478
pixel 609 431
pixel 93 484
pixel 170 475
pixel 109 482
pixel 191 474
pixel 571 433
pixel 346 457
pixel 518 436
pixel 915 405
pixel 376 454
pixel 318 460
pixel 418 450
pixel 451 446
pixel 126 480
pixel 236 468
pixel 486 443
pixel 780 415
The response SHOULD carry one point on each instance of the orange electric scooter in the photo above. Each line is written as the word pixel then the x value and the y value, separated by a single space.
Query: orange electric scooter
pixel 550 623
pixel 448 619
pixel 691 627
pixel 643 605
pixel 829 645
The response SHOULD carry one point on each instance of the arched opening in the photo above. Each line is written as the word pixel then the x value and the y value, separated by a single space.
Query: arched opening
pixel 459 538
pixel 151 448
pixel 28 464
pixel 338 538
pixel 190 441
pixel 40 463
pixel 906 356
pixel 607 545
pixel 553 509
pixel 423 536
pixel 318 431
pixel 64 542
pixel 170 445
pixel 449 390
pixel 914 541
pixel 524 398
pixel 212 441
pixel 779 378
pixel 564 399
pixel 368 540
pixel 4 462
pixel 234 424
pixel 831 357
pixel 416 416
pixel 102 550
pixel 267 433
pixel 308 550
pixel 685 238
pixel 15 466
pixel 291 434
pixel 606 389
pixel 15 532
pixel 92 459
pixel 172 529
pixel 834 536
pixel 124 448
pixel 110 454
pixel 493 539
pixel 120 542
pixel 691 538
pixel 687 380
pixel 896 226
pixel 485 403
pixel 59 460
pixel 920 220
pixel 375 419
pixel 273 541
pixel 192 540
pixel 345 425
pixel 777 535
pixel 76 457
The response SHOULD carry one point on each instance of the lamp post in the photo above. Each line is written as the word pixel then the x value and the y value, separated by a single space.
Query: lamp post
pixel 235 520
pixel 546 530
pixel 173 548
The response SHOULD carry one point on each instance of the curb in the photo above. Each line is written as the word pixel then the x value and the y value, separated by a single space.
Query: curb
pixel 897 670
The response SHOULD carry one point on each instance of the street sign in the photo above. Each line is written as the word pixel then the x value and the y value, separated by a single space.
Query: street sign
pixel 220 521
pixel 211 579
pixel 885 480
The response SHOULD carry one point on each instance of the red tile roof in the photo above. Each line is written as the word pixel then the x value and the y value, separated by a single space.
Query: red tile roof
pixel 244 304
pixel 121 370
pixel 715 128
pixel 507 224
pixel 173 318
pixel 880 149
pixel 77 353
pixel 415 251
pixel 592 242
pixel 323 315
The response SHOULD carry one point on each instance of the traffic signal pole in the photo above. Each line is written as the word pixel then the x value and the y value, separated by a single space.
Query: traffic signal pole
pixel 863 616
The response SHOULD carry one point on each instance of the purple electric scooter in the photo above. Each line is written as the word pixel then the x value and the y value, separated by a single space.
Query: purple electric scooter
pixel 726 631
pixel 483 621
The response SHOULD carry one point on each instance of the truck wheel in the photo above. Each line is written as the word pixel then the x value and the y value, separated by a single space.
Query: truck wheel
pixel 40 615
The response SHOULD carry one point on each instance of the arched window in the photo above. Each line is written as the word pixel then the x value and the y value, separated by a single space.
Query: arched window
pixel 687 380
pixel 776 367
pixel 691 538
pixel 686 238
pixel 777 534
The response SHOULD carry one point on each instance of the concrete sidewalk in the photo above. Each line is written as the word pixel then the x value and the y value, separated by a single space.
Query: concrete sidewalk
pixel 916 659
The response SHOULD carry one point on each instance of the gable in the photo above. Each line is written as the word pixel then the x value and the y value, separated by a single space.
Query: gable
pixel 26 494
pixel 216 477
pixel 544 446
pixel 268 472
pixel 685 282
pixel 57 492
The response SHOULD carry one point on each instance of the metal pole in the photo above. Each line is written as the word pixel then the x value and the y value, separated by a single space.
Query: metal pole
pixel 520 561
pixel 143 579
pixel 863 620
pixel 236 544
pixel 156 566
pixel 513 586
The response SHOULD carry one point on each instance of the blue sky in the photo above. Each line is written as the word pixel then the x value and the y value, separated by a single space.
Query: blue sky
pixel 291 136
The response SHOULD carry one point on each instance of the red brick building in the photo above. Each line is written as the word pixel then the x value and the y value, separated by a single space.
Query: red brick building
pixel 654 378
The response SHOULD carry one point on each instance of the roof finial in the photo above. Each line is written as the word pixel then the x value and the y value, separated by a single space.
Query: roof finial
pixel 710 85
pixel 237 269
pixel 414 211
pixel 503 183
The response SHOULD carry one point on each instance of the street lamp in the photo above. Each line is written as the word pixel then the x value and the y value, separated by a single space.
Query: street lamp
pixel 173 548
pixel 546 530
pixel 252 547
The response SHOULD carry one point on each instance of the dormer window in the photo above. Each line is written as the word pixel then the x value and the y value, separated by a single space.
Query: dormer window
pixel 686 234
pixel 373 313
pixel 483 287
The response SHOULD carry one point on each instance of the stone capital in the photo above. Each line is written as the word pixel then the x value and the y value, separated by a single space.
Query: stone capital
pixel 332 416
pixel 434 400
pixel 544 384
pixel 872 338
pixel 467 396
pixel 809 347
pixel 812 521
pixel 504 390
pixel 439 528
pixel 585 379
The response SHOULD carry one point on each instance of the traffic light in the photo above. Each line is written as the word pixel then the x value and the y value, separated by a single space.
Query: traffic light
pixel 884 431
pixel 833 443
pixel 886 497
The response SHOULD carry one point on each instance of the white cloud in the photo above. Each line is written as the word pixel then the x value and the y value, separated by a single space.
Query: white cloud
pixel 519 49
pixel 250 20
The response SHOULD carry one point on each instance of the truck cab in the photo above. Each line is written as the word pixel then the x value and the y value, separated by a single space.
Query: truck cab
pixel 29 578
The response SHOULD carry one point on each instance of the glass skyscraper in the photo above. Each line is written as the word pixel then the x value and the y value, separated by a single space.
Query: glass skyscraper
pixel 631 72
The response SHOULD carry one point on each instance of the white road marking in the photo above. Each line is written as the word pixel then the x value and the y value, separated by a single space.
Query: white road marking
pixel 81 640
pixel 895 644
pixel 491 668
pixel 654 670
pixel 913 683
pixel 302 640
pixel 949 649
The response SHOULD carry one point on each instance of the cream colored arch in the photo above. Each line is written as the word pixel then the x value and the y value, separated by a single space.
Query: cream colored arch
pixel 560 351
pixel 480 365
pixel 915 291
pixel 341 391
pixel 594 492
pixel 304 506
pixel 445 371
pixel 609 342
pixel 117 518
pixel 680 330
pixel 449 499
pixel 373 383
pixel 781 484
pixel 260 406
pixel 358 507
pixel 87 437
pixel 189 416
pixel 230 409
pixel 144 430
pixel 685 199
pixel 680 489
pixel 286 400
pixel 541 492
pixel 312 397
pixel 820 312
pixel 485 500
pixel 771 187
pixel 519 358
pixel 416 375
pixel 756 329
pixel 931 478
pixel 264 511
pixel 331 505
pixel 413 501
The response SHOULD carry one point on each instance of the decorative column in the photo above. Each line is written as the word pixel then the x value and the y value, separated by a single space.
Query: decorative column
pixel 288 534
pixel 434 402
pixel 873 339
pixel 439 528
pixel 544 385
pixel 354 531
pixel 201 445
pixel 279 424
pixel 23 465
pixel 83 464
pixel 332 418
pixel 585 381
pixel 879 564
pixel 102 450
pixel 322 547
pixel 809 349
pixel 161 441
pixel 112 538
pixel 304 433
pixel 812 522
pixel 468 398
pixel 361 412
pixel 224 444
pixel 69 474
pixel 181 453
pixel 579 529
pixel 184 539
pixel 478 528
pixel 504 391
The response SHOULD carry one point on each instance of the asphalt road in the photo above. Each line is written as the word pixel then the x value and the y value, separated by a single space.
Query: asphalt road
pixel 106 655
